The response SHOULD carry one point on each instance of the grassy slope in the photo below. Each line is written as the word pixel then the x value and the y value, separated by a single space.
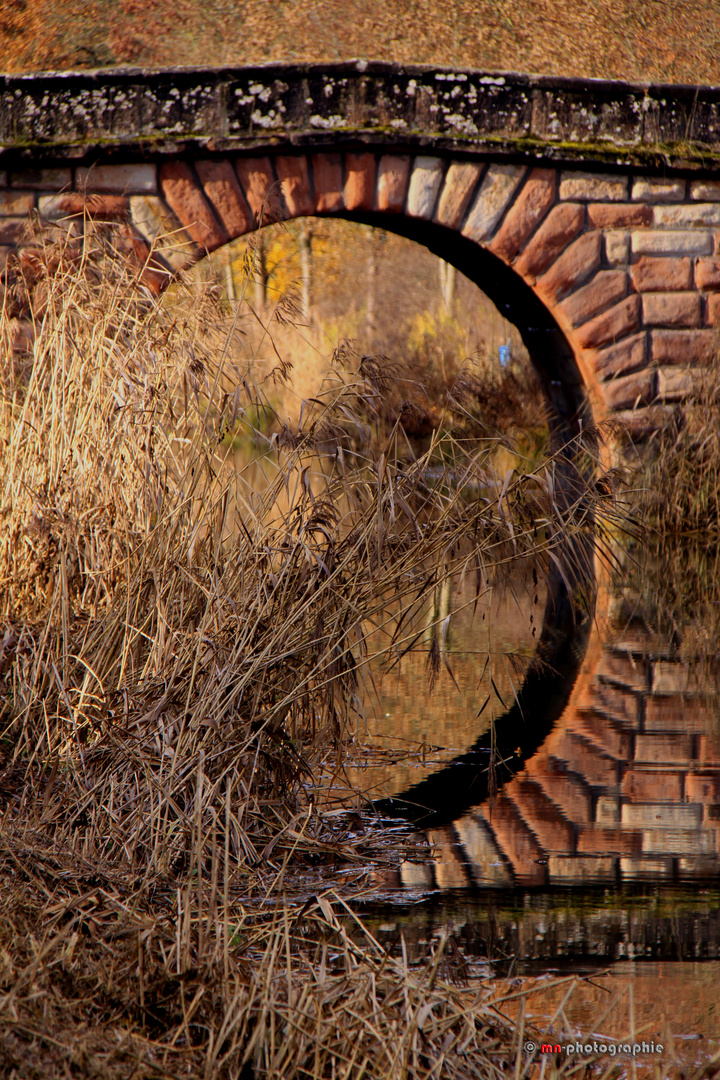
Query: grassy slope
pixel 630 39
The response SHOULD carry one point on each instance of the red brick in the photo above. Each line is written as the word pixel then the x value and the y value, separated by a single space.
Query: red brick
pixel 221 186
pixel 671 309
pixel 360 181
pixel 460 182
pixel 552 829
pixel 515 840
pixel 713 310
pixel 618 215
pixel 631 391
pixel 618 702
pixel 620 320
pixel 562 225
pixel 656 275
pixel 530 207
pixel 621 358
pixel 17 202
pixel 704 788
pixel 683 347
pixel 567 792
pixel 153 272
pixel 707 273
pixel 589 761
pixel 292 172
pixel 392 182
pixel 185 197
pixel 641 785
pixel 597 840
pixel 606 734
pixel 327 175
pixel 576 264
pixel 257 178
pixel 605 289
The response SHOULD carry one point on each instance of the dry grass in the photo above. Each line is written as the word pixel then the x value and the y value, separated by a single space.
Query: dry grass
pixel 180 659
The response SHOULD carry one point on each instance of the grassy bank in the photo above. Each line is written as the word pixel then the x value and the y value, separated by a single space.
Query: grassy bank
pixel 183 646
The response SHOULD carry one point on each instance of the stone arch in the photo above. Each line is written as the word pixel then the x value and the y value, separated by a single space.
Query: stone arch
pixel 612 278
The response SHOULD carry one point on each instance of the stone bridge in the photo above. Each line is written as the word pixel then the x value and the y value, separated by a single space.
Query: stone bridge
pixel 588 211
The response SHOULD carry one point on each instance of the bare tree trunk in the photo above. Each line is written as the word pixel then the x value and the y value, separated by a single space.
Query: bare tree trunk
pixel 448 275
pixel 229 279
pixel 306 268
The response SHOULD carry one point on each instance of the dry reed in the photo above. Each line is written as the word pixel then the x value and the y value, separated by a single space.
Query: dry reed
pixel 182 648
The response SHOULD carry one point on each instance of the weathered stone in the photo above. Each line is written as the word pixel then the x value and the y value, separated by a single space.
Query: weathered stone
pixel 565 868
pixel 683 347
pixel 656 274
pixel 673 678
pixel 328 182
pixel 707 273
pixel 617 247
pixel 392 182
pixel 659 190
pixel 156 223
pixel 76 203
pixel 619 215
pixel 292 173
pixel 605 289
pixel 576 264
pixel 497 189
pixel 630 391
pixel 588 186
pixel 221 186
pixel 11 229
pixel 607 810
pixel 690 216
pixel 460 182
pixel 679 841
pixel 671 309
pixel 635 867
pixel 620 320
pixel 359 181
pixel 672 242
pixel 675 384
pixel 705 190
pixel 425 180
pixel 676 712
pixel 643 784
pixel 184 195
pixel 42 179
pixel 704 788
pixel 663 749
pixel 659 814
pixel 16 202
pixel 257 180
pixel 640 424
pixel 562 225
pixel 529 208
pixel 123 179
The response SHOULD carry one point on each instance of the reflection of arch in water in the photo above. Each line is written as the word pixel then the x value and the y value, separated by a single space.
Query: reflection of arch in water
pixel 625 788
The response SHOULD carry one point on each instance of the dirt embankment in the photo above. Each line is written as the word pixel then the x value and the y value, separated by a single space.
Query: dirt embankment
pixel 628 39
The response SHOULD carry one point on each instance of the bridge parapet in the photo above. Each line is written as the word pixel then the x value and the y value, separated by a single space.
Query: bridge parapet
pixel 575 193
